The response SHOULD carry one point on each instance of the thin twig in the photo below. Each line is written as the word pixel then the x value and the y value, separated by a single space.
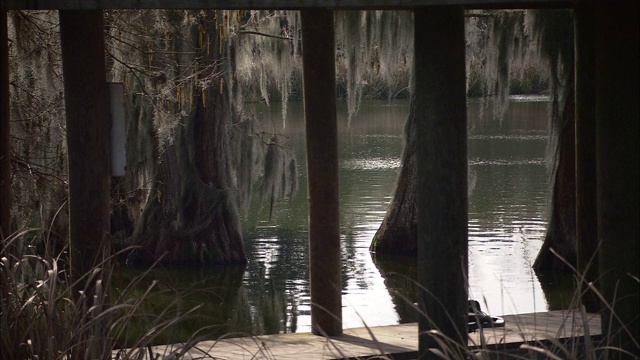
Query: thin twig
pixel 251 32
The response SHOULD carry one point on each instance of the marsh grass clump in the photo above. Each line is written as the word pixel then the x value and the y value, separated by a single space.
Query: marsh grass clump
pixel 43 314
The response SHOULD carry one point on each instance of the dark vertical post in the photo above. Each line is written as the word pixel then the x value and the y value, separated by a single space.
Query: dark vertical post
pixel 586 205
pixel 318 57
pixel 618 152
pixel 442 175
pixel 88 138
pixel 5 138
pixel 5 153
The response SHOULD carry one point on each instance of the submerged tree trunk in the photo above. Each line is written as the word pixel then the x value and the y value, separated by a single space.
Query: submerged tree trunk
pixel 193 156
pixel 191 216
pixel 561 231
pixel 398 233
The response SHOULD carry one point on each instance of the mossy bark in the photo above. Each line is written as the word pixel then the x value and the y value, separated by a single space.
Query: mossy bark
pixel 190 216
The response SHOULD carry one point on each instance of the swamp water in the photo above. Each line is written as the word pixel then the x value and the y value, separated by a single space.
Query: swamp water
pixel 507 222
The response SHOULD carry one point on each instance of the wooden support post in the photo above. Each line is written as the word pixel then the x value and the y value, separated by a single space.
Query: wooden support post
pixel 586 205
pixel 5 159
pixel 5 138
pixel 618 153
pixel 442 176
pixel 318 55
pixel 88 138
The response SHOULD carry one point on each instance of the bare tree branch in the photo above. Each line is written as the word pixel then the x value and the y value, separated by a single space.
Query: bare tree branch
pixel 251 32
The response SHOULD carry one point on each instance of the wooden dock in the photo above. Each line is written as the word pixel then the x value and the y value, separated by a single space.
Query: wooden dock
pixel 397 341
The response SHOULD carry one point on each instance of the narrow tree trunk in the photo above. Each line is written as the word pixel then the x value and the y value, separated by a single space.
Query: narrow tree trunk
pixel 397 234
pixel 441 122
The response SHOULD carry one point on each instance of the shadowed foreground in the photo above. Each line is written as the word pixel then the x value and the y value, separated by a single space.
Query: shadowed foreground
pixel 401 341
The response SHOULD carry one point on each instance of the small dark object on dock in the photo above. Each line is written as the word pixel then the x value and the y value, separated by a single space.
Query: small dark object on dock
pixel 480 319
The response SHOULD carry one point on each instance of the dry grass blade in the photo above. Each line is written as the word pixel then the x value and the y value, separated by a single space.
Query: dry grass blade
pixel 542 351
pixel 41 318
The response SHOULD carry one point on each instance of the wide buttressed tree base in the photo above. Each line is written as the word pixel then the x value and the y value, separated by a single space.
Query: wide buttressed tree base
pixel 397 234
pixel 194 154
pixel 508 42
pixel 558 252
pixel 190 215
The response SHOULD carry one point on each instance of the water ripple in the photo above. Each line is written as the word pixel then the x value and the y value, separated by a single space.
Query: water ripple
pixel 371 163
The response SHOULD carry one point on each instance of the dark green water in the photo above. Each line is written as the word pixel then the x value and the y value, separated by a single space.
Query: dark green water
pixel 507 221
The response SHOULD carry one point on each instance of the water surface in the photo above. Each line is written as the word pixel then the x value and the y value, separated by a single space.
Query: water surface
pixel 507 221
pixel 507 214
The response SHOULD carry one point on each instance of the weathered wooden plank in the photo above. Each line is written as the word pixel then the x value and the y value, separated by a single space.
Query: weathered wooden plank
pixel 398 341
pixel 269 4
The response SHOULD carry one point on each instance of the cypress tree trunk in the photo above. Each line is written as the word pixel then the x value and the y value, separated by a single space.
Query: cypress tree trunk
pixel 191 216
pixel 397 234
pixel 561 231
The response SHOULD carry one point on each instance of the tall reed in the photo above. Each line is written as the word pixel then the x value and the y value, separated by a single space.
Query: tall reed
pixel 42 316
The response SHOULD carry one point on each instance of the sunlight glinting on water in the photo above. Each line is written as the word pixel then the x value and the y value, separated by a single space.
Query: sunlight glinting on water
pixel 541 136
pixel 507 162
pixel 269 254
pixel 371 164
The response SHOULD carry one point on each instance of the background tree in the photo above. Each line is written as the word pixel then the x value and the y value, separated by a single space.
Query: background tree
pixel 193 154
pixel 553 30
pixel 209 151
pixel 38 131
pixel 499 45
pixel 498 50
